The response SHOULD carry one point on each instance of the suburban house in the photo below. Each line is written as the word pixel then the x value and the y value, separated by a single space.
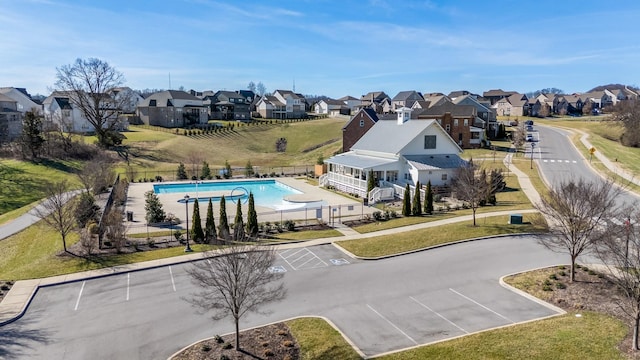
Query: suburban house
pixel 436 98
pixel 331 107
pixel 59 112
pixel 405 99
pixel 23 99
pixel 569 104
pixel 283 104
pixel 10 119
pixel 512 105
pixel 295 104
pixel 228 105
pixel 352 103
pixel 461 122
pixel 127 99
pixel 397 152
pixel 374 100
pixel 484 111
pixel 495 95
pixel 172 109
pixel 357 126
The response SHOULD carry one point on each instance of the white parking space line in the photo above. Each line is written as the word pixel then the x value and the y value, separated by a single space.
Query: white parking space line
pixel 128 283
pixel 287 261
pixel 79 296
pixel 295 252
pixel 392 324
pixel 482 306
pixel 306 262
pixel 439 315
pixel 173 283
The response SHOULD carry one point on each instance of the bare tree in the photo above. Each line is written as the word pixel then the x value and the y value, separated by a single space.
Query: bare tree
pixel 115 228
pixel 96 175
pixel 627 113
pixel 236 281
pixel 619 249
pixel 261 89
pixel 470 187
pixel 90 85
pixel 55 211
pixel 575 211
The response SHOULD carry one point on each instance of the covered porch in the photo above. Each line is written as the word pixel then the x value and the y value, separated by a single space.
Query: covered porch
pixel 348 172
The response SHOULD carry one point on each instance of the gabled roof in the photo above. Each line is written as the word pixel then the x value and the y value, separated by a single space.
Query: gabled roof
pixel 347 98
pixel 435 162
pixel 460 99
pixel 290 93
pixel 5 98
pixel 63 103
pixel 272 100
pixel 377 96
pixel 406 95
pixel 389 137
pixel 165 97
pixel 421 104
pixel 497 92
pixel 333 102
pixel 518 100
pixel 453 109
pixel 371 114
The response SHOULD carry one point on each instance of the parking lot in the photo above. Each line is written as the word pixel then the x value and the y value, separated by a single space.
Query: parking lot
pixel 310 258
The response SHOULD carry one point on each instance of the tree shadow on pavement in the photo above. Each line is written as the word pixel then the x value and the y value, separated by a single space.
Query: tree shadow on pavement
pixel 17 337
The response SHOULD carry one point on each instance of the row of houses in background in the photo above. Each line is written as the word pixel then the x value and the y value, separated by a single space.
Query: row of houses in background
pixel 175 109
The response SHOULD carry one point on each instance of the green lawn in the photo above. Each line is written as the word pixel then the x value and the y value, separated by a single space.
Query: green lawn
pixel 590 336
pixel 153 151
pixel 308 234
pixel 320 341
pixel 401 242
pixel 22 183
pixel 36 253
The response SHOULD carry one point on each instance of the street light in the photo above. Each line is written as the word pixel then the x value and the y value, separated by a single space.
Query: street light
pixel 186 204
pixel 533 145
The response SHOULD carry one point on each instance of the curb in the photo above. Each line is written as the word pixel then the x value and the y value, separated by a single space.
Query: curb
pixel 429 247
pixel 362 355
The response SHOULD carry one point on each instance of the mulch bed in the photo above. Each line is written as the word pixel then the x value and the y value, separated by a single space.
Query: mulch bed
pixel 593 292
pixel 268 342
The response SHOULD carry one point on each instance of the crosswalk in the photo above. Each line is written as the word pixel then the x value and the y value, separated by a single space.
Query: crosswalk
pixel 560 161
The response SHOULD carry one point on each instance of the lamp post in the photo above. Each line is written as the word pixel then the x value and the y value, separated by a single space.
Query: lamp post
pixel 533 145
pixel 186 204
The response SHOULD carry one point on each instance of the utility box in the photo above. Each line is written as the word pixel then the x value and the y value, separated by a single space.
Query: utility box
pixel 515 219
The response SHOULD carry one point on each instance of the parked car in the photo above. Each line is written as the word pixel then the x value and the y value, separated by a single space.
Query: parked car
pixel 529 122
pixel 529 128
pixel 529 137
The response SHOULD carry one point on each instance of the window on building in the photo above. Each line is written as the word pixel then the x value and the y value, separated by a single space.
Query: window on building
pixel 361 122
pixel 455 122
pixel 448 128
pixel 429 141
pixel 466 122
pixel 444 177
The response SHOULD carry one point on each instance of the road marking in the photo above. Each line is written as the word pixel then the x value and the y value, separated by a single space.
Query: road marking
pixel 79 296
pixel 173 283
pixel 289 255
pixel 277 269
pixel 435 312
pixel 128 282
pixel 392 324
pixel 338 262
pixel 482 306
pixel 287 261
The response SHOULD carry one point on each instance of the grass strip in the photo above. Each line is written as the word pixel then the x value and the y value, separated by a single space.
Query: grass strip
pixel 320 341
pixel 401 242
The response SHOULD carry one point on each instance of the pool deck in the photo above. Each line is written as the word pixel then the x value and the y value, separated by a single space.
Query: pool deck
pixel 332 203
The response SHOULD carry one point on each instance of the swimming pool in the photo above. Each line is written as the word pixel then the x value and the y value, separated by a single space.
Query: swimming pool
pixel 268 193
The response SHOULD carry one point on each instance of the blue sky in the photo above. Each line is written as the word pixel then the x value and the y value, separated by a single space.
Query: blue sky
pixel 334 48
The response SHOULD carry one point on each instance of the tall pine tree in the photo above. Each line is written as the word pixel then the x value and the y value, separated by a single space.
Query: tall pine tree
pixel 406 202
pixel 223 225
pixel 428 200
pixel 416 207
pixel 252 217
pixel 238 223
pixel 210 225
pixel 196 229
pixel 181 173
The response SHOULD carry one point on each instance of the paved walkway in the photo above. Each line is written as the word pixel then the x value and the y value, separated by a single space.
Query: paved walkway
pixel 18 298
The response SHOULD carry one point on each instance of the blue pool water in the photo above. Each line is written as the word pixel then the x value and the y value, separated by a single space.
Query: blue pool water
pixel 267 193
